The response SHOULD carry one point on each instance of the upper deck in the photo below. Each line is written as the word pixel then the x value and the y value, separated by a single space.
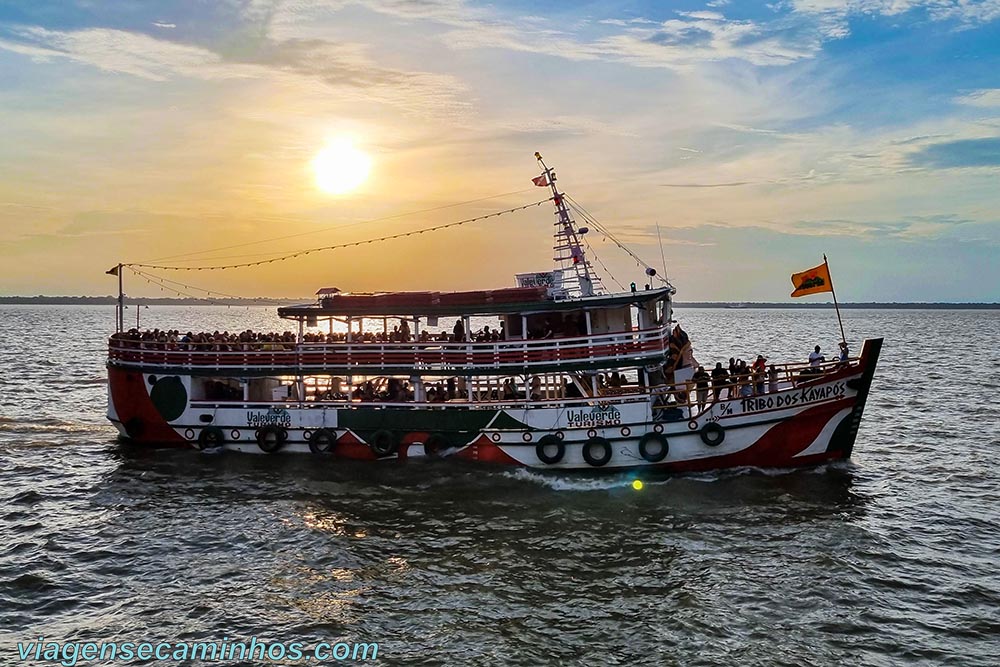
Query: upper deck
pixel 575 353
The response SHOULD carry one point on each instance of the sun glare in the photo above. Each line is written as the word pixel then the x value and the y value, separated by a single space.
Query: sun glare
pixel 341 167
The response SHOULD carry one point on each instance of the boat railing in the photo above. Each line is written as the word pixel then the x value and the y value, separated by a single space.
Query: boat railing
pixel 753 385
pixel 426 356
pixel 515 403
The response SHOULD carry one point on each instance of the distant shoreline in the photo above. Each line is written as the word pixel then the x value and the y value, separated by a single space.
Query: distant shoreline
pixel 743 305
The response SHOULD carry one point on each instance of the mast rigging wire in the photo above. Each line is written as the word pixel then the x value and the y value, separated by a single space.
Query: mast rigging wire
pixel 576 206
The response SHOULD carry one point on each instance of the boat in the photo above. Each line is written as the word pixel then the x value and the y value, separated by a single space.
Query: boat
pixel 563 375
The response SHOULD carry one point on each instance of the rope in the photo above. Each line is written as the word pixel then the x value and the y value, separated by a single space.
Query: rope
pixel 302 253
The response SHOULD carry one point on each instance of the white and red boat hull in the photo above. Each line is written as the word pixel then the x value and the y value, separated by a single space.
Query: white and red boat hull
pixel 811 422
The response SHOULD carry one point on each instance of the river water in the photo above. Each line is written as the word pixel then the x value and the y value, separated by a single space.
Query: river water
pixel 891 559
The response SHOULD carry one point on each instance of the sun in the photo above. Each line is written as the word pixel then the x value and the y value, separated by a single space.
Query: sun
pixel 341 167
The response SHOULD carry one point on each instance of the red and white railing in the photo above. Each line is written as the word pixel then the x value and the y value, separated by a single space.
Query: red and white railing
pixel 642 346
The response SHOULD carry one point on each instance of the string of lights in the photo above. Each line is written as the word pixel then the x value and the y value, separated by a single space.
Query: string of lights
pixel 308 251
pixel 593 253
pixel 161 280
pixel 335 227
pixel 167 288
pixel 585 214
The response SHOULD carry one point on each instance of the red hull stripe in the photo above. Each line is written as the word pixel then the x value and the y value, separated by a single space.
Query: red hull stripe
pixel 130 397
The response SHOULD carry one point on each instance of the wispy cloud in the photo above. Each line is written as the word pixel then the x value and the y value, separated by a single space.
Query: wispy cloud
pixel 989 98
pixel 344 67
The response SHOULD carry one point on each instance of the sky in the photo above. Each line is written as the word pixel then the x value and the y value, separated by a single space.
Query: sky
pixel 757 136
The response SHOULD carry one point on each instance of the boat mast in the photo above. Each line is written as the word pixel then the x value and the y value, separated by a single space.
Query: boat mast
pixel 567 249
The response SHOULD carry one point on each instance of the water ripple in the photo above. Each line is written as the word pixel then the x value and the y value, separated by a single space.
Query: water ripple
pixel 886 560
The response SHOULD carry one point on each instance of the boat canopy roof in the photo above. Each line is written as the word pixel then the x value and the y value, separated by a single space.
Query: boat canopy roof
pixel 483 302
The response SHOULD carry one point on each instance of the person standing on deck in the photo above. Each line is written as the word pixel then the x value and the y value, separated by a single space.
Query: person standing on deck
pixel 701 378
pixel 459 331
pixel 815 360
pixel 772 379
pixel 732 377
pixel 720 378
pixel 759 368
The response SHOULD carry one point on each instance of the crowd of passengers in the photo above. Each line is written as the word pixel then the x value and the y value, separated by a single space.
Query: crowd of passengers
pixel 740 380
pixel 249 340
pixel 399 391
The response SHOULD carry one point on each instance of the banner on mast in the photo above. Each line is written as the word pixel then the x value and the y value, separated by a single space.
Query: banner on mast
pixel 540 181
pixel 813 281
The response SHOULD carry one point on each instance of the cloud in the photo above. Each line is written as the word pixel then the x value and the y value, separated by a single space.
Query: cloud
pixel 834 14
pixel 705 185
pixel 988 97
pixel 984 152
pixel 708 37
pixel 345 67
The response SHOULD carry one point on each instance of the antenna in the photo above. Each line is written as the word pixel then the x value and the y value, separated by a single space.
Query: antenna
pixel 663 260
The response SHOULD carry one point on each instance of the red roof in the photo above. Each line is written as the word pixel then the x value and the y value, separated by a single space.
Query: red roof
pixel 418 300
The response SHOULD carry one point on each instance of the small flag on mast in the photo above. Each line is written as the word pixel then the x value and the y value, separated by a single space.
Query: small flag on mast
pixel 113 271
pixel 540 181
pixel 813 281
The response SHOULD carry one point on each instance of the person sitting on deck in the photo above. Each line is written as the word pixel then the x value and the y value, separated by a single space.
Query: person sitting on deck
pixel 536 388
pixel 548 331
pixel 509 390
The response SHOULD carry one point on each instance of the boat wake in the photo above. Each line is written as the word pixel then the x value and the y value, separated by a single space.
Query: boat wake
pixel 571 482
pixel 624 480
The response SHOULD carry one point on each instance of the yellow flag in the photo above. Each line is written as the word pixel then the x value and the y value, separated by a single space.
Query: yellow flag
pixel 813 281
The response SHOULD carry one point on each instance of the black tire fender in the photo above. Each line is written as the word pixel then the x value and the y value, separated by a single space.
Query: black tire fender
pixel 322 441
pixel 384 443
pixel 271 438
pixel 712 434
pixel 211 436
pixel 435 444
pixel 597 442
pixel 546 443
pixel 654 454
